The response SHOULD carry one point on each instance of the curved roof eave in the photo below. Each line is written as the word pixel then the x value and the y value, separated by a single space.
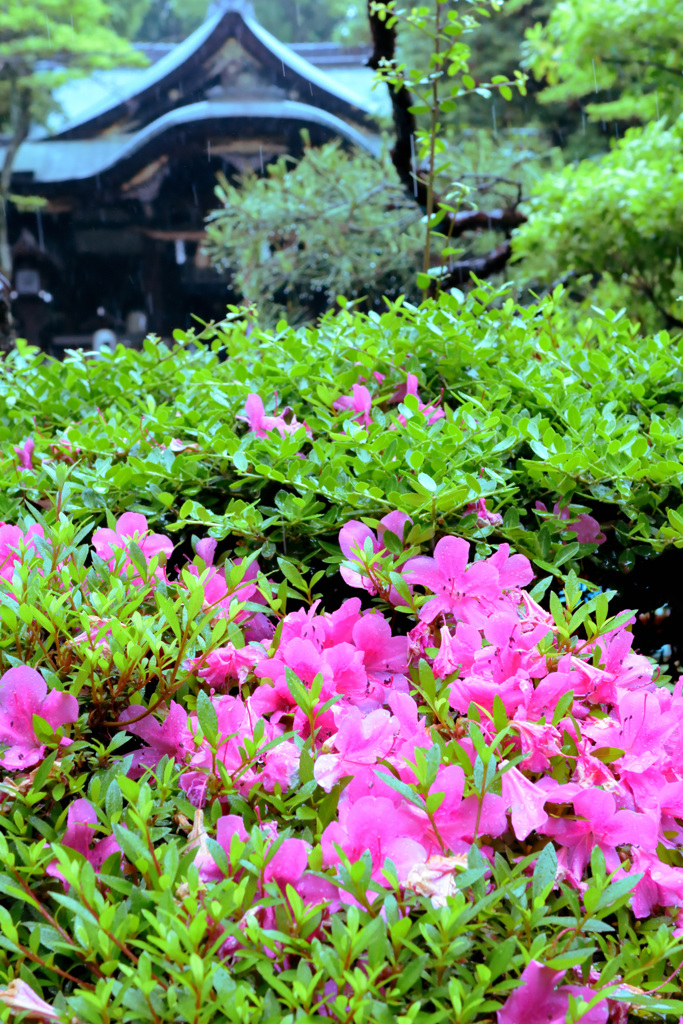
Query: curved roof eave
pixel 187 58
pixel 81 160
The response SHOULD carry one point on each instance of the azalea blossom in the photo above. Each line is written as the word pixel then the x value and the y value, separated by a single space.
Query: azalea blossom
pixel 20 998
pixel 601 824
pixel 542 1000
pixel 12 538
pixel 464 591
pixel 436 878
pixel 360 740
pixel 226 664
pixel 360 401
pixel 484 516
pixel 81 821
pixel 262 425
pixel 132 526
pixel 171 738
pixel 25 454
pixel 355 536
pixel 586 528
pixel 23 694
pixel 431 411
pixel 525 801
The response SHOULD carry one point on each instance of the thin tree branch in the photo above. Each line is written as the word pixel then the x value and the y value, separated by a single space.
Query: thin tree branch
pixel 481 266
pixel 402 153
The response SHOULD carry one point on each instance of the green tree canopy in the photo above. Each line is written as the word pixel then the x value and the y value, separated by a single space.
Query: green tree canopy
pixel 617 220
pixel 336 223
pixel 292 21
pixel 625 56
pixel 42 44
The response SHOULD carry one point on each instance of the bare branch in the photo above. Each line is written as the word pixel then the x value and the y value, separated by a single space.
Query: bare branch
pixel 481 266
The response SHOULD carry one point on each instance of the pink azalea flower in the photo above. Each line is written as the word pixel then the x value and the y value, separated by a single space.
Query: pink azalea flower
pixel 25 453
pixel 352 541
pixel 482 689
pixel 513 570
pixel 11 538
pixel 226 827
pixel 431 411
pixel 600 824
pixel 96 638
pixel 384 656
pixel 458 820
pixel 306 661
pixel 660 886
pixel 420 638
pixel 539 1000
pixel 643 731
pixel 206 549
pixel 23 694
pixel 484 516
pixel 623 668
pixel 360 401
pixel 219 592
pixel 20 998
pixel 436 878
pixel 539 743
pixel 525 801
pixel 236 721
pixel 375 824
pixel 171 738
pixel 81 821
pixel 280 767
pixel 287 864
pixel 586 528
pixel 349 676
pixel 305 624
pixel 132 526
pixel 359 741
pixel 262 425
pixel 224 665
pixel 337 627
pixel 457 652
pixel 467 592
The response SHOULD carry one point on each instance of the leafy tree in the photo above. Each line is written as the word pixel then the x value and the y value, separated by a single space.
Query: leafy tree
pixel 289 20
pixel 126 17
pixel 340 225
pixel 42 44
pixel 626 55
pixel 337 223
pixel 616 220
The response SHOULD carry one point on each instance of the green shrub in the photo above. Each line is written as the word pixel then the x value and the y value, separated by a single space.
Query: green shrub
pixel 536 409
pixel 168 922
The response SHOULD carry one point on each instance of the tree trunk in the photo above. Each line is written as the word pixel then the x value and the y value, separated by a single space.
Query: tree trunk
pixel 20 119
pixel 454 225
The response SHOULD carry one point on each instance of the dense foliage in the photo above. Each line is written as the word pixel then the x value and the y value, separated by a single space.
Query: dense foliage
pixel 338 223
pixel 320 691
pixel 618 222
pixel 533 410
pixel 623 58
pixel 615 220
pixel 228 855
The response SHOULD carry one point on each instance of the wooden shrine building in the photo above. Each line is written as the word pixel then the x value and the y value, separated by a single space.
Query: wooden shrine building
pixel 129 181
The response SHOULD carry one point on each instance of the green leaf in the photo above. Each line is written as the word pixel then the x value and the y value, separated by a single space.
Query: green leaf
pixel 207 717
pixel 545 872
pixel 406 791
